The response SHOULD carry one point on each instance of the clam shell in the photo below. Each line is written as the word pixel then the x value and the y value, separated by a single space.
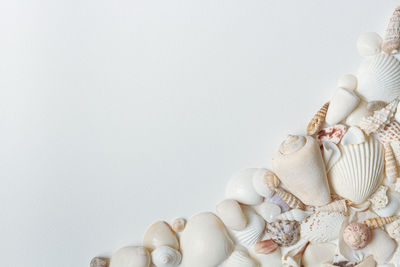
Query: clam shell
pixel 353 136
pixel 160 234
pixel 126 256
pixel 332 134
pixel 357 235
pixel 356 116
pixel 317 254
pixel 369 44
pixel 341 105
pixel 264 182
pixel 230 212
pixel 178 224
pixel 318 120
pixel 358 172
pixel 99 262
pixel 268 210
pixel 390 133
pixel 284 233
pixel 265 247
pixel 165 256
pixel 379 221
pixel 240 187
pixel 348 82
pixel 239 258
pixel 253 231
pixel 322 227
pixel 391 43
pixel 289 199
pixel 335 206
pixel 294 215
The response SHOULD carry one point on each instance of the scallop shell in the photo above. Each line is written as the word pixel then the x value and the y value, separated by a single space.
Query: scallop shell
pixel 391 43
pixel 357 235
pixel 317 254
pixel 390 164
pixel 369 44
pixel 332 134
pixel 253 231
pixel 294 215
pixel 240 187
pixel 127 255
pixel 348 81
pixel 379 221
pixel 353 136
pixel 230 212
pixel 99 262
pixel 264 182
pixel 318 120
pixel 239 258
pixel 165 256
pixel 265 247
pixel 268 210
pixel 390 133
pixel 335 206
pixel 284 233
pixel 322 226
pixel 379 199
pixel 178 224
pixel 160 234
pixel 341 105
pixel 358 172
pixel 391 208
pixel 289 199
pixel 393 229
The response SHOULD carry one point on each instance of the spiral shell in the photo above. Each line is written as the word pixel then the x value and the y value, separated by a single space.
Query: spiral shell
pixel 357 235
pixel 178 224
pixel 379 221
pixel 390 133
pixel 265 247
pixel 294 215
pixel 335 206
pixel 318 120
pixel 391 42
pixel 271 180
pixel 284 233
pixel 165 256
pixel 289 199
pixel 380 118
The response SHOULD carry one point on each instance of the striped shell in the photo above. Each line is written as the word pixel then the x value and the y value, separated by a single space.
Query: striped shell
pixel 390 163
pixel 379 221
pixel 253 231
pixel 289 199
pixel 284 233
pixel 391 42
pixel 390 133
pixel 318 120
pixel 322 227
pixel 380 118
pixel 294 215
pixel 335 206
pixel 265 247
pixel 357 235
pixel 271 180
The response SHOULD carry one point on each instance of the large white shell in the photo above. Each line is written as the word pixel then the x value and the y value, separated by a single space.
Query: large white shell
pixel 131 257
pixel 341 105
pixel 379 78
pixel 239 258
pixel 253 231
pixel 231 214
pixel 165 256
pixel 317 254
pixel 294 215
pixel 369 44
pixel 358 172
pixel 160 234
pixel 205 241
pixel 322 227
pixel 268 210
pixel 240 187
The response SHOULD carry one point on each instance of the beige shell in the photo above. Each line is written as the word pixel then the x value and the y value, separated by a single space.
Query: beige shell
pixel 317 254
pixel 240 187
pixel 284 233
pixel 253 231
pixel 393 229
pixel 380 118
pixel 160 234
pixel 289 199
pixel 230 212
pixel 265 182
pixel 165 256
pixel 369 44
pixel 178 224
pixel 128 255
pixel 271 180
pixel 265 247
pixel 390 163
pixel 390 133
pixel 318 120
pixel 322 226
pixel 379 199
pixel 239 258
pixel 294 215
pixel 379 221
pixel 357 235
pixel 99 262
pixel 391 42
pixel 335 206
pixel 367 262
pixel 268 210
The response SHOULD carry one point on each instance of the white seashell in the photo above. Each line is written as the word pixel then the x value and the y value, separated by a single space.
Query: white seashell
pixel 165 256
pixel 335 206
pixel 348 82
pixel 260 182
pixel 358 172
pixel 358 114
pixel 322 226
pixel 300 167
pixel 231 214
pixel 360 206
pixel 317 254
pixel 391 44
pixel 275 199
pixel 240 187
pixel 367 262
pixel 341 105
pixel 379 78
pixel 294 215
pixel 391 208
pixel 382 247
pixel 131 257
pixel 239 258
pixel 271 260
pixel 380 119
pixel 268 210
pixel 331 154
pixel 393 229
pixel 178 224
pixel 353 136
pixel 160 234
pixel 253 231
pixel 205 241
pixel 379 199
pixel 369 44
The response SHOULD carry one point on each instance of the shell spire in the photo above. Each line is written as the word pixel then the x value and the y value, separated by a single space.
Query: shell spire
pixel 390 133
pixel 289 199
pixel 380 118
pixel 335 206
pixel 379 221
pixel 391 43
pixel 318 120
pixel 271 180
pixel 390 163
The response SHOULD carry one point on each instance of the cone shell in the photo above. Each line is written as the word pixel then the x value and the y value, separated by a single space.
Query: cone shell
pixel 358 172
pixel 322 226
pixel 253 231
pixel 318 120
pixel 335 206
pixel 289 199
pixel 379 221
pixel 284 233
pixel 265 247
pixel 390 133
pixel 391 43
pixel 294 215
pixel 160 234
pixel 357 235
pixel 165 256
pixel 239 258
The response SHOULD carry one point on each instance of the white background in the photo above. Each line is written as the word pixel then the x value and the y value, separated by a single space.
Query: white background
pixel 114 114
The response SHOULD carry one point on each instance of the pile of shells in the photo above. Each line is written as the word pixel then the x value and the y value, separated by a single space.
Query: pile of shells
pixel 330 199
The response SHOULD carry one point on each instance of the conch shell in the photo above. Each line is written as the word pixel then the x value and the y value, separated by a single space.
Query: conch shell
pixel 391 43
pixel 335 206
pixel 390 133
pixel 300 167
pixel 318 120
pixel 379 221
pixel 289 199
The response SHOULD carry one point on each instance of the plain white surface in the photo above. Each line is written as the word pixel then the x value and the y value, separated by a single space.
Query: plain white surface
pixel 114 114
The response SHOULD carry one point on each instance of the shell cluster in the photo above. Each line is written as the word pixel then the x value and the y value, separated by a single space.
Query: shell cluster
pixel 330 197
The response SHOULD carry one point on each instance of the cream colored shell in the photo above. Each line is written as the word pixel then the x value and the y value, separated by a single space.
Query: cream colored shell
pixel 322 227
pixel 230 212
pixel 240 187
pixel 253 231
pixel 160 234
pixel 131 257
pixel 165 256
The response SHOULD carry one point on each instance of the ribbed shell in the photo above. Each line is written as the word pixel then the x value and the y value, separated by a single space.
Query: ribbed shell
pixel 391 42
pixel 358 172
pixel 379 221
pixel 390 163
pixel 335 206
pixel 294 215
pixel 318 120
pixel 322 226
pixel 390 133
pixel 239 258
pixel 381 117
pixel 265 247
pixel 289 199
pixel 253 231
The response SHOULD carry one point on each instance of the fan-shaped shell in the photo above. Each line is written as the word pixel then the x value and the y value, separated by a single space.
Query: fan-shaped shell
pixel 131 256
pixel 294 215
pixel 358 172
pixel 322 226
pixel 239 258
pixel 284 233
pixel 165 256
pixel 240 187
pixel 253 231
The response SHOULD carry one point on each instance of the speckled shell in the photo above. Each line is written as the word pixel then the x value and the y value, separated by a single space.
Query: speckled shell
pixel 332 134
pixel 284 233
pixel 253 231
pixel 318 120
pixel 165 256
pixel 294 215
pixel 265 247
pixel 335 206
pixel 289 199
pixel 379 221
pixel 380 118
pixel 239 258
pixel 322 226
pixel 357 235
pixel 391 43
pixel 390 133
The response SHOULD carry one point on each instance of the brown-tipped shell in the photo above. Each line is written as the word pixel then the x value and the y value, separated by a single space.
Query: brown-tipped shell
pixel 271 180
pixel 390 163
pixel 391 43
pixel 318 120
pixel 289 199
pixel 99 262
pixel 390 133
pixel 265 247
pixel 335 206
pixel 379 221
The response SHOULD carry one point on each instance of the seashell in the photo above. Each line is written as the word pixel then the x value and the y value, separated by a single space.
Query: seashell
pixel 165 256
pixel 271 260
pixel 358 172
pixel 382 247
pixel 341 105
pixel 335 206
pixel 160 234
pixel 348 82
pixel 397 185
pixel 131 257
pixel 390 133
pixel 264 182
pixel 379 199
pixel 367 262
pixel 300 167
pixel 358 114
pixel 393 229
pixel 379 221
pixel 318 120
pixel 294 215
pixel 353 136
pixel 275 199
pixel 178 225
pixel 239 258
pixel 99 262
pixel 289 199
pixel 322 226
pixel 284 233
pixel 369 44
pixel 253 231
pixel 317 254
pixel 357 235
pixel 268 210
pixel 230 212
pixel 331 154
pixel 332 134
pixel 380 119
pixel 397 114
pixel 391 208
pixel 240 187
pixel 376 105
pixel 390 163
pixel 391 43
pixel 378 78
pixel 265 247
pixel 205 241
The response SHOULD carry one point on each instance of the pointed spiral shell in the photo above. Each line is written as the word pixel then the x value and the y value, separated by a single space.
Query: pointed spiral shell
pixel 390 133
pixel 391 43
pixel 165 256
pixel 379 221
pixel 289 199
pixel 390 163
pixel 318 120
pixel 380 118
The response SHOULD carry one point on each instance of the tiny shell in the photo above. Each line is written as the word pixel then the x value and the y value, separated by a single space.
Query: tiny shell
pixel 239 258
pixel 99 262
pixel 231 214
pixel 131 257
pixel 165 256
pixel 322 226
pixel 268 210
pixel 178 224
pixel 332 134
pixel 264 182
pixel 391 43
pixel 316 254
pixel 335 206
pixel 348 81
pixel 353 136
pixel 318 120
pixel 357 235
pixel 390 164
pixel 358 114
pixel 253 231
pixel 160 234
pixel 341 105
pixel 284 233
pixel 379 199
pixel 289 199
pixel 271 180
pixel 265 246
pixel 379 221
pixel 294 215
pixel 390 133
pixel 240 187
pixel 369 44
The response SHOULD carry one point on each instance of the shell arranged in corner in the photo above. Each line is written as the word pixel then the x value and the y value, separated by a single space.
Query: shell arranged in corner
pixel 165 256
pixel 239 258
pixel 391 43
pixel 318 120
pixel 253 231
pixel 341 105
pixel 265 182
pixel 230 212
pixel 240 187
pixel 160 234
pixel 125 256
pixel 322 227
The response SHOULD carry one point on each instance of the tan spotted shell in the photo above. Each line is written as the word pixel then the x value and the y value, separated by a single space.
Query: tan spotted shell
pixel 379 221
pixel 318 120
pixel 390 163
pixel 289 199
